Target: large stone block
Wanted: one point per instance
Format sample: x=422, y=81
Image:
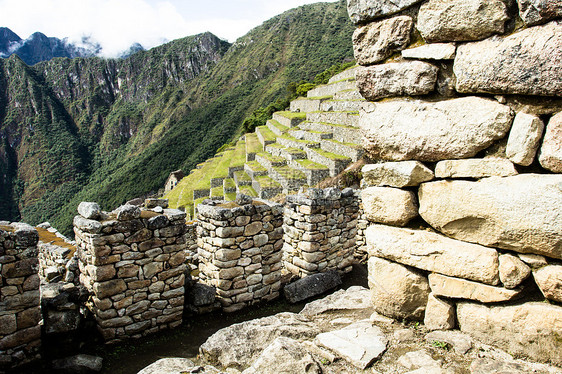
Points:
x=439, y=313
x=524, y=138
x=534, y=12
x=526, y=63
x=457, y=288
x=361, y=11
x=549, y=280
x=432, y=131
x=519, y=213
x=379, y=40
x=461, y=20
x=395, y=174
x=475, y=168
x=396, y=290
x=434, y=252
x=396, y=79
x=434, y=51
x=391, y=206
x=533, y=330
x=550, y=156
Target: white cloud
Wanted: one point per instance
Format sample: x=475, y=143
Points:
x=116, y=24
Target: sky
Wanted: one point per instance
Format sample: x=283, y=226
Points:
x=117, y=24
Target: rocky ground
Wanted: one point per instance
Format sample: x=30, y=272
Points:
x=341, y=333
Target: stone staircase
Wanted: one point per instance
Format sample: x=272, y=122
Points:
x=317, y=138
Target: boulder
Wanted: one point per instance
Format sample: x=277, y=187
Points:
x=530, y=329
x=439, y=313
x=434, y=51
x=475, y=168
x=525, y=63
x=89, y=210
x=244, y=342
x=433, y=131
x=377, y=41
x=434, y=252
x=361, y=11
x=397, y=291
x=524, y=138
x=492, y=209
x=360, y=343
x=513, y=271
x=550, y=156
x=391, y=206
x=457, y=288
x=549, y=280
x=461, y=20
x=354, y=298
x=312, y=285
x=534, y=12
x=395, y=174
x=285, y=355
x=396, y=79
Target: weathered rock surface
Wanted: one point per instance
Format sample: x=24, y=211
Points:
x=418, y=360
x=361, y=11
x=353, y=298
x=360, y=343
x=312, y=285
x=434, y=252
x=284, y=355
x=457, y=288
x=173, y=365
x=534, y=12
x=391, y=206
x=244, y=342
x=489, y=365
x=513, y=271
x=434, y=51
x=530, y=329
x=549, y=280
x=406, y=130
x=461, y=20
x=524, y=138
x=534, y=261
x=523, y=63
x=439, y=313
x=475, y=168
x=397, y=291
x=378, y=40
x=550, y=156
x=396, y=79
x=492, y=210
x=395, y=174
x=460, y=342
x=79, y=364
x=89, y=210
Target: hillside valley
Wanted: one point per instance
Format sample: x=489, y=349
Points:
x=108, y=130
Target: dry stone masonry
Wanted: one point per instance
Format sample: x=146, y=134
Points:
x=320, y=229
x=239, y=248
x=463, y=195
x=20, y=312
x=132, y=261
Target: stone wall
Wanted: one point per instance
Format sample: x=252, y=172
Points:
x=240, y=250
x=320, y=228
x=132, y=261
x=20, y=312
x=56, y=256
x=463, y=195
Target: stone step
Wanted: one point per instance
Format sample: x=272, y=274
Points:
x=253, y=146
x=352, y=94
x=270, y=161
x=241, y=178
x=313, y=136
x=342, y=105
x=292, y=142
x=353, y=151
x=266, y=187
x=201, y=193
x=288, y=154
x=217, y=181
x=247, y=190
x=331, y=89
x=290, y=179
x=265, y=136
x=348, y=74
x=340, y=118
x=336, y=163
x=254, y=169
x=217, y=193
x=229, y=185
x=289, y=119
x=303, y=105
x=314, y=172
x=230, y=196
x=341, y=133
x=275, y=127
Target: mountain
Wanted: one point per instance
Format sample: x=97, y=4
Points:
x=107, y=130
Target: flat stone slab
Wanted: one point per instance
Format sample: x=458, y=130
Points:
x=360, y=343
x=475, y=168
x=456, y=288
x=434, y=51
x=355, y=297
x=395, y=174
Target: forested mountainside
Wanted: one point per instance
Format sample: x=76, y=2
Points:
x=92, y=129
